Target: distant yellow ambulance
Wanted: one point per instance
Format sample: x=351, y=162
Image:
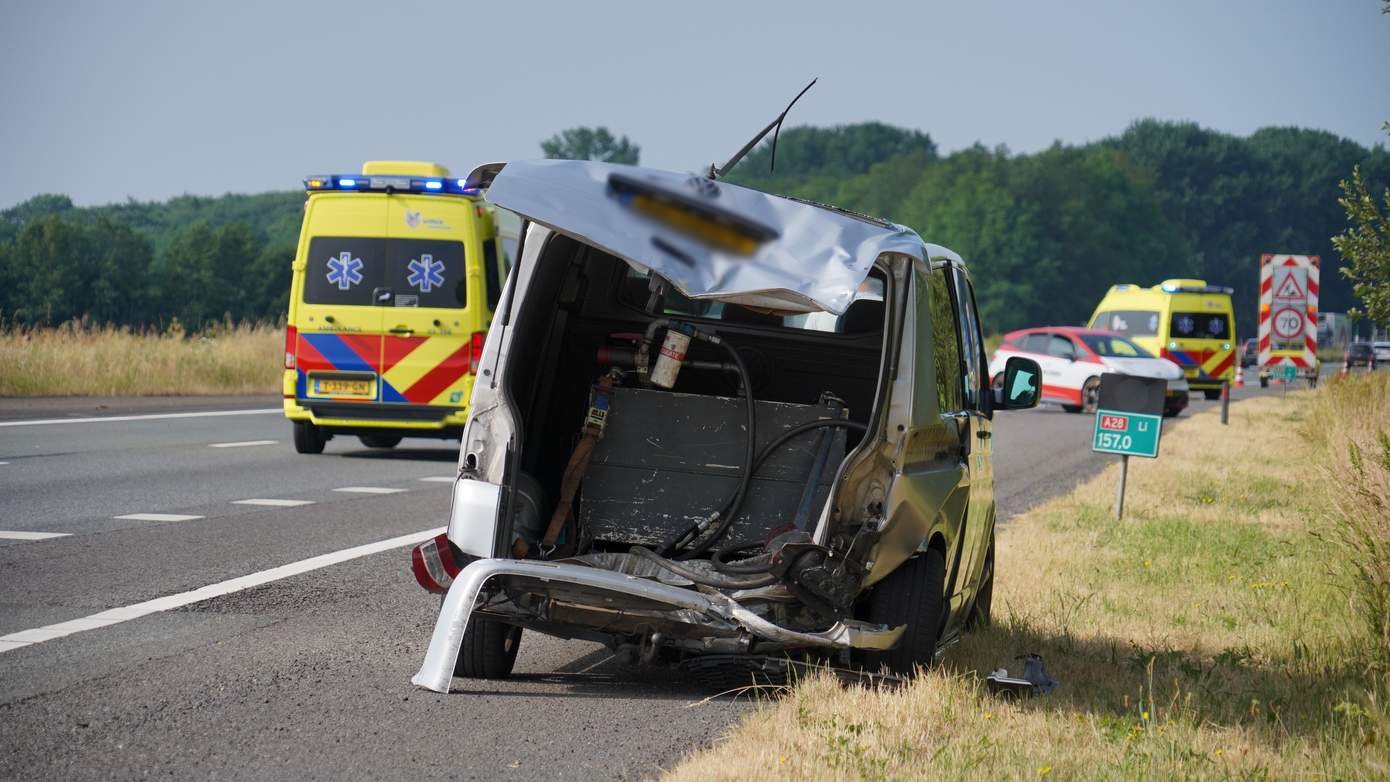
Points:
x=1187, y=322
x=395, y=279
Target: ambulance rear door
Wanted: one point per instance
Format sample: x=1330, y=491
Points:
x=434, y=301
x=337, y=317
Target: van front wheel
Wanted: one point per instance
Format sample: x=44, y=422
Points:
x=308, y=438
x=912, y=595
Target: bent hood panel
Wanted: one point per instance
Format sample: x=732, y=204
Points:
x=813, y=258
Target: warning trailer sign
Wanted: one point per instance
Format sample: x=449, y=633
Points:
x=1288, y=310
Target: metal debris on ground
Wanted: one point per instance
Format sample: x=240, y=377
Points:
x=1034, y=681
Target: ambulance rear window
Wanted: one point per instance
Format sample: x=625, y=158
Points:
x=367, y=271
x=1131, y=323
x=1200, y=325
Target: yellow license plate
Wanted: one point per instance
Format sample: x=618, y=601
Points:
x=344, y=387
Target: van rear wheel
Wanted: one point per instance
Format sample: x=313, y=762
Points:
x=912, y=595
x=308, y=438
x=1212, y=394
x=380, y=440
x=488, y=650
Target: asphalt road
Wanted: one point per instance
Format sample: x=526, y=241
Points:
x=307, y=675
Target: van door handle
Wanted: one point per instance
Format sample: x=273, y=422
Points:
x=403, y=331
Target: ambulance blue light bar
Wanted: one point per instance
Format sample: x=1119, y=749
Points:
x=1197, y=289
x=391, y=184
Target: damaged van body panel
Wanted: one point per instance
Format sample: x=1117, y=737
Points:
x=801, y=257
x=799, y=454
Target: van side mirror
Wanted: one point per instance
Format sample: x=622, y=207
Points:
x=1022, y=385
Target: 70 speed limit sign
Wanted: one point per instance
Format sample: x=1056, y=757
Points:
x=1288, y=310
x=1288, y=323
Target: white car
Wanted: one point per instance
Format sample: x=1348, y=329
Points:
x=1073, y=359
x=1381, y=351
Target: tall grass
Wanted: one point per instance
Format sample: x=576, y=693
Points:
x=1349, y=425
x=79, y=359
x=1217, y=632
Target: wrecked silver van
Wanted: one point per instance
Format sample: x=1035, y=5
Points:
x=712, y=425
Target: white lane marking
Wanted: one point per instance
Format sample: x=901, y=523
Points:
x=4, y=462
x=19, y=535
x=274, y=503
x=241, y=444
x=369, y=490
x=151, y=417
x=439, y=479
x=115, y=615
x=158, y=517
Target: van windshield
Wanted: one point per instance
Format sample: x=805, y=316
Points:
x=367, y=271
x=1132, y=323
x=1199, y=325
x=1114, y=347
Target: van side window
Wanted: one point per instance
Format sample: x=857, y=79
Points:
x=945, y=343
x=494, y=285
x=971, y=342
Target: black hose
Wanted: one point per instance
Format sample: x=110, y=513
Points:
x=730, y=511
x=746, y=477
x=708, y=579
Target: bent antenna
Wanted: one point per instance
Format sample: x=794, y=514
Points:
x=716, y=172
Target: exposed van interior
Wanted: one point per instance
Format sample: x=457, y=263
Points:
x=668, y=457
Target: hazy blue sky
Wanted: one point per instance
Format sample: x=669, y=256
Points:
x=105, y=100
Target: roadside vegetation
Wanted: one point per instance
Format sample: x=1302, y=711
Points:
x=78, y=359
x=1236, y=624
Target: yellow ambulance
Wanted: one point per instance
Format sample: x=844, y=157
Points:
x=395, y=278
x=1185, y=321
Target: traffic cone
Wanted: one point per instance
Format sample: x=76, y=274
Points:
x=1240, y=377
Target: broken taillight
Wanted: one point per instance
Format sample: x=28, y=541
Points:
x=434, y=565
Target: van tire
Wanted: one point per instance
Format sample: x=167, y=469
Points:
x=308, y=438
x=1212, y=394
x=913, y=595
x=380, y=440
x=488, y=650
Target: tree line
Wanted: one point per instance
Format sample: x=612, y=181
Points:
x=1045, y=234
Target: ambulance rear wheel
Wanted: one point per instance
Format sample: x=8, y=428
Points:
x=308, y=438
x=1211, y=394
x=380, y=440
x=1264, y=382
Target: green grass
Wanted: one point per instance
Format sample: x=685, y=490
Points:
x=1215, y=632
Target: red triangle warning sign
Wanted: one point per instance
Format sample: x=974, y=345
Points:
x=1288, y=289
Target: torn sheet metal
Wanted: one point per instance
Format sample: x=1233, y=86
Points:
x=438, y=668
x=745, y=246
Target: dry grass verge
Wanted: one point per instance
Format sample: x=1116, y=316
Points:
x=81, y=360
x=1214, y=633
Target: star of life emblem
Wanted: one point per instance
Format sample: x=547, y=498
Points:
x=426, y=273
x=344, y=271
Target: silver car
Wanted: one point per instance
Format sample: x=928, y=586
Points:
x=716, y=427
